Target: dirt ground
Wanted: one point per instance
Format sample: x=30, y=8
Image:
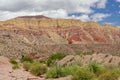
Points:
x=7, y=73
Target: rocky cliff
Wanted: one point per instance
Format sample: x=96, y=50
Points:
x=40, y=34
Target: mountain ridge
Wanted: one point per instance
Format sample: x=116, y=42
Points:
x=46, y=35
x=55, y=21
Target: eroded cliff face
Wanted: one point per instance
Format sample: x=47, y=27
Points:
x=38, y=33
x=60, y=31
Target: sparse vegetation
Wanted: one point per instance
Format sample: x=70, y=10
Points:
x=55, y=72
x=109, y=75
x=26, y=66
x=118, y=70
x=44, y=61
x=71, y=70
x=92, y=71
x=26, y=59
x=83, y=74
x=60, y=71
x=37, y=68
x=15, y=64
x=13, y=61
x=55, y=57
x=96, y=68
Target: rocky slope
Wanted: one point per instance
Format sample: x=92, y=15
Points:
x=40, y=34
x=104, y=59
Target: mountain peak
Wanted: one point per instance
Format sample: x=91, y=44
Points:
x=34, y=17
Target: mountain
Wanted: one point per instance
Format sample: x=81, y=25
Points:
x=40, y=34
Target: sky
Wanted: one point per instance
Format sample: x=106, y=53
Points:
x=100, y=11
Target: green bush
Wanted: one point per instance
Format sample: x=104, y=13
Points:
x=83, y=74
x=71, y=70
x=117, y=70
x=37, y=68
x=44, y=61
x=15, y=66
x=110, y=67
x=55, y=72
x=26, y=66
x=96, y=68
x=26, y=59
x=109, y=75
x=13, y=61
x=59, y=71
x=55, y=57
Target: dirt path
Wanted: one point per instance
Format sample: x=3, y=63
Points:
x=7, y=73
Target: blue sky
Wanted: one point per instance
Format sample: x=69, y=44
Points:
x=100, y=11
x=112, y=8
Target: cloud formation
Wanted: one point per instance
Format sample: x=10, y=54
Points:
x=51, y=8
x=118, y=0
x=99, y=17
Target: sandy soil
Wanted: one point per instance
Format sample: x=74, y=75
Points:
x=7, y=73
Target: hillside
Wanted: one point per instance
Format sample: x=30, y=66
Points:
x=40, y=34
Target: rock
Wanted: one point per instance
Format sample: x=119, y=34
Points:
x=115, y=61
x=65, y=60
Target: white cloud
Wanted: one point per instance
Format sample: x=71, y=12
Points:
x=44, y=5
x=50, y=8
x=52, y=13
x=118, y=0
x=109, y=23
x=7, y=15
x=85, y=10
x=119, y=12
x=82, y=17
x=101, y=3
x=99, y=17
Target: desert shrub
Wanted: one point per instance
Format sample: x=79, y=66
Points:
x=76, y=71
x=15, y=66
x=55, y=57
x=110, y=67
x=83, y=74
x=13, y=61
x=117, y=69
x=26, y=59
x=37, y=68
x=71, y=70
x=109, y=75
x=26, y=66
x=60, y=71
x=55, y=72
x=44, y=61
x=96, y=68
